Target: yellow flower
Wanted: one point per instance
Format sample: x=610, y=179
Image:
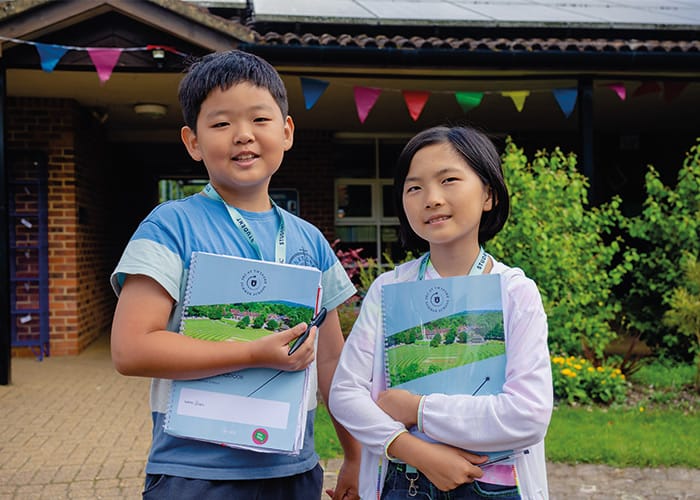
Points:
x=641, y=408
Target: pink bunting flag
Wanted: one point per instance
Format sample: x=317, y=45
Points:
x=415, y=101
x=619, y=89
x=673, y=90
x=647, y=88
x=365, y=98
x=104, y=60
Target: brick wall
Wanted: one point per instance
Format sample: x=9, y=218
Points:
x=80, y=303
x=307, y=167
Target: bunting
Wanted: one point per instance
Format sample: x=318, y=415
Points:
x=619, y=89
x=518, y=97
x=312, y=90
x=415, y=102
x=103, y=58
x=365, y=99
x=566, y=99
x=468, y=100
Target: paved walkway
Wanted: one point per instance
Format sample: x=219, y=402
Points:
x=71, y=427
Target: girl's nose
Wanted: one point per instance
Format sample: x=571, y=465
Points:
x=433, y=199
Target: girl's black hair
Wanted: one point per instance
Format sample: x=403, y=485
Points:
x=480, y=154
x=223, y=70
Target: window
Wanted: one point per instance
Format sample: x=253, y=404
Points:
x=364, y=205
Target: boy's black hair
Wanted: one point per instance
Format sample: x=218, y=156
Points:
x=223, y=70
x=480, y=153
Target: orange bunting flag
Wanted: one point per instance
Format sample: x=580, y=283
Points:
x=365, y=99
x=468, y=100
x=415, y=101
x=518, y=97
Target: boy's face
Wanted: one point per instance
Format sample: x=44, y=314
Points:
x=241, y=138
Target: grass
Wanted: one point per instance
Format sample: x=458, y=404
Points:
x=659, y=426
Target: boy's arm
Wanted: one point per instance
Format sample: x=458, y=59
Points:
x=330, y=344
x=142, y=346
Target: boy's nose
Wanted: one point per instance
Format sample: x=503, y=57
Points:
x=243, y=136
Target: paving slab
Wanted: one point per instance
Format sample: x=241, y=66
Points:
x=73, y=428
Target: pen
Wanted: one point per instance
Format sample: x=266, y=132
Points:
x=504, y=458
x=314, y=322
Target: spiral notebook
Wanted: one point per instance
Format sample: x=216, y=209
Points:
x=446, y=336
x=231, y=298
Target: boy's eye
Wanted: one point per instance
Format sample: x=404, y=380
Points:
x=220, y=124
x=261, y=119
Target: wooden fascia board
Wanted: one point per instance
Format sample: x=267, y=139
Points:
x=181, y=20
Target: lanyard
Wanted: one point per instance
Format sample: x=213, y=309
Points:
x=242, y=225
x=477, y=268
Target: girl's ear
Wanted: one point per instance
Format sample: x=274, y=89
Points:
x=490, y=200
x=189, y=139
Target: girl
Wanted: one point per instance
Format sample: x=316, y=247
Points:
x=451, y=199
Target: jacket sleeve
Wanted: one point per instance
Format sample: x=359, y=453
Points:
x=519, y=416
x=359, y=377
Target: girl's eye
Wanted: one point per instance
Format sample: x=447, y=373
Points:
x=450, y=179
x=412, y=188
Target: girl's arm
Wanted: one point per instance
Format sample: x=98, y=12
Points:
x=518, y=417
x=351, y=401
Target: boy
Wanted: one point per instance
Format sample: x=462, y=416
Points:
x=235, y=110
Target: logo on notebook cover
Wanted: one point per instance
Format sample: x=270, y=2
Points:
x=253, y=282
x=260, y=436
x=437, y=298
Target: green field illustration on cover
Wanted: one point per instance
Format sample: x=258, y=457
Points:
x=243, y=322
x=451, y=342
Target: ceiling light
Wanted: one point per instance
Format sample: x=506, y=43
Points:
x=151, y=110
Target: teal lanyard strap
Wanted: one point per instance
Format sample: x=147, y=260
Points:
x=242, y=225
x=477, y=268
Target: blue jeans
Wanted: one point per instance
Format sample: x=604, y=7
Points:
x=305, y=486
x=401, y=483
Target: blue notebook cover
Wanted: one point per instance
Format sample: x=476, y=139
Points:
x=445, y=336
x=232, y=298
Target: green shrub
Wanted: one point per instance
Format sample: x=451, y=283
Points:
x=568, y=247
x=684, y=309
x=665, y=231
x=577, y=380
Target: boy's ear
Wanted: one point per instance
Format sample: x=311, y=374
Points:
x=189, y=139
x=288, y=133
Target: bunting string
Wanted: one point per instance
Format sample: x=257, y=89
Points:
x=106, y=58
x=103, y=58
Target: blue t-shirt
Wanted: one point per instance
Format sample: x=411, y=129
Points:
x=161, y=248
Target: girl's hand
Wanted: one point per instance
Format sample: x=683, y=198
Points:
x=401, y=405
x=448, y=467
x=272, y=351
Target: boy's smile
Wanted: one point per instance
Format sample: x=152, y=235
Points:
x=241, y=138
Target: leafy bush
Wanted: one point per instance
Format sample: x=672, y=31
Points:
x=577, y=380
x=684, y=312
x=665, y=231
x=569, y=248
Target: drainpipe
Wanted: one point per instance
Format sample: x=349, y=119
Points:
x=5, y=316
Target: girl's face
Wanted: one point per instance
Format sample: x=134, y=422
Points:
x=444, y=198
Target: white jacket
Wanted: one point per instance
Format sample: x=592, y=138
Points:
x=514, y=419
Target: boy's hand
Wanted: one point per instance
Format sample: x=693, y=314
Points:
x=272, y=351
x=348, y=479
